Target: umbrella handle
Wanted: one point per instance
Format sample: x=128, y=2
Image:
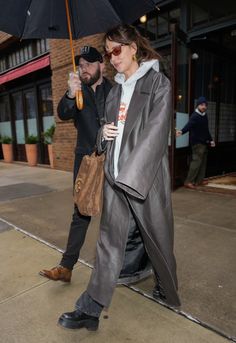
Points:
x=79, y=94
x=79, y=100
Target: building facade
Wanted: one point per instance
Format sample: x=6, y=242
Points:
x=197, y=42
x=25, y=92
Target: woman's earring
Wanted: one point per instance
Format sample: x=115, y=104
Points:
x=134, y=58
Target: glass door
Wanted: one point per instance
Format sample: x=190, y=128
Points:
x=30, y=112
x=24, y=109
x=46, y=115
x=180, y=104
x=19, y=125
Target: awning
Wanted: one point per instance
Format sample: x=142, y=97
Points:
x=25, y=69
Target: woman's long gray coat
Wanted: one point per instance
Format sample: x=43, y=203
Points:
x=143, y=184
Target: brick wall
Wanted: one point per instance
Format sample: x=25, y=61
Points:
x=65, y=134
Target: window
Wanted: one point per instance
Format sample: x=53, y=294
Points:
x=42, y=46
x=24, y=53
x=162, y=25
x=46, y=100
x=2, y=64
x=198, y=15
x=5, y=124
x=157, y=24
x=227, y=111
x=46, y=109
x=4, y=109
x=210, y=11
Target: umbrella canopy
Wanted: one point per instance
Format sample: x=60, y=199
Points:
x=68, y=19
x=47, y=18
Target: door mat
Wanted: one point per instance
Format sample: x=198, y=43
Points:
x=225, y=184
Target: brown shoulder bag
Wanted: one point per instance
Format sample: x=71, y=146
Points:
x=89, y=185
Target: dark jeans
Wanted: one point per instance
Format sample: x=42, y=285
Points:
x=197, y=168
x=77, y=234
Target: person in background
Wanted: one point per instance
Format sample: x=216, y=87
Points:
x=87, y=122
x=137, y=181
x=200, y=139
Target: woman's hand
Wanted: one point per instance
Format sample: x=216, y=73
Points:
x=110, y=131
x=74, y=84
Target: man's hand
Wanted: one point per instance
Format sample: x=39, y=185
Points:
x=110, y=132
x=74, y=85
x=212, y=144
x=178, y=133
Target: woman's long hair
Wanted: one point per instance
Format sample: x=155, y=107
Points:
x=127, y=34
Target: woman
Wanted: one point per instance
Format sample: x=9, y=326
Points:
x=137, y=184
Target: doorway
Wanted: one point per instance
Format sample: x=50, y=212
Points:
x=25, y=112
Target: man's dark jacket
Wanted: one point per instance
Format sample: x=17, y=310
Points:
x=198, y=129
x=88, y=120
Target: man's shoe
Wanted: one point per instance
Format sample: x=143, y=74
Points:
x=78, y=320
x=189, y=185
x=203, y=183
x=57, y=273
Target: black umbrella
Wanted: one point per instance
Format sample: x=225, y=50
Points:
x=68, y=18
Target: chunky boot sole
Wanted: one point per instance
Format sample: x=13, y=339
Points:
x=89, y=324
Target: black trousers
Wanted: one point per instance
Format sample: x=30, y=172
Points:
x=76, y=238
x=78, y=228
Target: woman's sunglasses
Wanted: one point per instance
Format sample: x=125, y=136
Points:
x=116, y=51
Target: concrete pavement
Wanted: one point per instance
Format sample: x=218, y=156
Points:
x=30, y=305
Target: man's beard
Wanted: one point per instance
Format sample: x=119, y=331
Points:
x=202, y=110
x=92, y=79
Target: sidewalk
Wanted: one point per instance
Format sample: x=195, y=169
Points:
x=38, y=200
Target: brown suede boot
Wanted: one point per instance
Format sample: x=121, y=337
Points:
x=57, y=273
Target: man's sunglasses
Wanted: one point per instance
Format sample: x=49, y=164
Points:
x=116, y=51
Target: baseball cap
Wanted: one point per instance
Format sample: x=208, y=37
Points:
x=90, y=54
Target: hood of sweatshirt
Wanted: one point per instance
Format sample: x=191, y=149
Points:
x=140, y=72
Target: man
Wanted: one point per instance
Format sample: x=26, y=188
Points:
x=200, y=138
x=87, y=121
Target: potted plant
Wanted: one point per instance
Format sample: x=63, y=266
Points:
x=48, y=138
x=7, y=148
x=31, y=150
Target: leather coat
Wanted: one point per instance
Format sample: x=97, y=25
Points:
x=142, y=188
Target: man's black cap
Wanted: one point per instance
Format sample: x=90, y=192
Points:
x=90, y=54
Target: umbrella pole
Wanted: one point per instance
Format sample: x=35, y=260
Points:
x=79, y=95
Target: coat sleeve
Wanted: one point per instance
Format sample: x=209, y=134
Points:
x=101, y=143
x=137, y=175
x=66, y=108
x=190, y=124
